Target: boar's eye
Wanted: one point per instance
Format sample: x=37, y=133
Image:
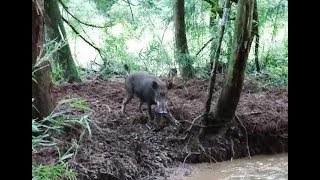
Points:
x=162, y=94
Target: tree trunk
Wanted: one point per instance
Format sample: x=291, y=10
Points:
x=215, y=8
x=41, y=89
x=213, y=16
x=56, y=31
x=230, y=94
x=212, y=50
x=230, y=43
x=216, y=58
x=182, y=53
x=255, y=32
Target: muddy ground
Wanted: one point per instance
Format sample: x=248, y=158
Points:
x=127, y=147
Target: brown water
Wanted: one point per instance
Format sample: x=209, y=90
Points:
x=273, y=167
x=258, y=167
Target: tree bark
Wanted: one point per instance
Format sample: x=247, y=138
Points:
x=229, y=46
x=56, y=31
x=43, y=103
x=182, y=53
x=231, y=90
x=255, y=32
x=230, y=94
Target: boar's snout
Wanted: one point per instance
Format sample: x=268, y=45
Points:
x=162, y=106
x=160, y=97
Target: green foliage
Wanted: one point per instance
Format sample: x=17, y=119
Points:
x=43, y=132
x=34, y=78
x=58, y=121
x=274, y=11
x=155, y=57
x=49, y=49
x=185, y=59
x=116, y=52
x=202, y=72
x=53, y=172
x=274, y=64
x=145, y=39
x=104, y=6
x=57, y=73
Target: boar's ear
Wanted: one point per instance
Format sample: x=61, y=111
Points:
x=169, y=84
x=155, y=85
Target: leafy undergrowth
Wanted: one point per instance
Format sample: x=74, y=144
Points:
x=50, y=151
x=49, y=172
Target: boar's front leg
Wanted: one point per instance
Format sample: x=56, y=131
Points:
x=150, y=116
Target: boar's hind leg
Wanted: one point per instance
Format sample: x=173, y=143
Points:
x=126, y=100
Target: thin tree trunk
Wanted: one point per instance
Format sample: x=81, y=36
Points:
x=212, y=52
x=230, y=43
x=214, y=41
x=216, y=58
x=182, y=53
x=43, y=103
x=255, y=32
x=256, y=53
x=56, y=31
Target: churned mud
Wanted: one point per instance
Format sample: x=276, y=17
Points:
x=130, y=147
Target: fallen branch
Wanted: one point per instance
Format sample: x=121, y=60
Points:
x=175, y=120
x=251, y=113
x=192, y=123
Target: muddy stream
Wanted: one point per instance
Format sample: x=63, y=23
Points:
x=273, y=167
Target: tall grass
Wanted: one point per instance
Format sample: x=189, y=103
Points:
x=56, y=123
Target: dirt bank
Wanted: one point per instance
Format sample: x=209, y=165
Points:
x=128, y=148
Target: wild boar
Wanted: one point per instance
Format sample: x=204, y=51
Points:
x=149, y=89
